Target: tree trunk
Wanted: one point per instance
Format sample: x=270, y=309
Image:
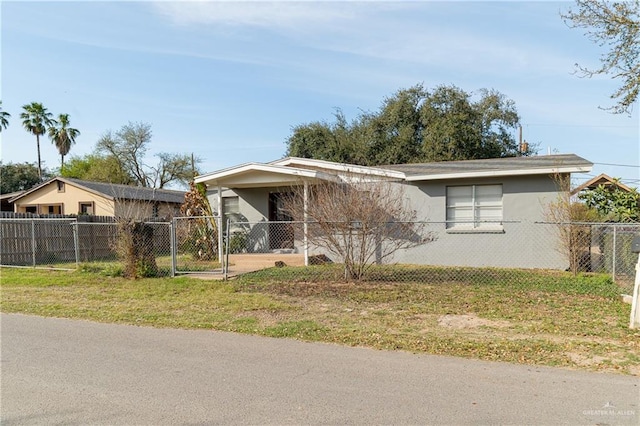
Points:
x=39, y=161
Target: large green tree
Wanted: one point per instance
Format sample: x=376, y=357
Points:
x=18, y=177
x=129, y=146
x=36, y=119
x=4, y=118
x=416, y=125
x=616, y=27
x=97, y=168
x=454, y=127
x=62, y=135
x=339, y=141
x=394, y=135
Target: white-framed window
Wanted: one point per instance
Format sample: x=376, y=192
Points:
x=474, y=208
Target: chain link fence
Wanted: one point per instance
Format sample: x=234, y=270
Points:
x=197, y=242
x=418, y=251
x=436, y=251
x=69, y=244
x=142, y=249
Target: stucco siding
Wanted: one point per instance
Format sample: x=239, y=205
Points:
x=254, y=203
x=70, y=199
x=523, y=243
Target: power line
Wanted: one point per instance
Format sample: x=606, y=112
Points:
x=618, y=165
x=587, y=176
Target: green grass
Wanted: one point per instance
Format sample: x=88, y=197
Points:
x=113, y=267
x=531, y=317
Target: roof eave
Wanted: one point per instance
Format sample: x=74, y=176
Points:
x=224, y=177
x=342, y=167
x=500, y=173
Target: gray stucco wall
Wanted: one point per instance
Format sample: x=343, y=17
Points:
x=253, y=204
x=522, y=244
x=523, y=197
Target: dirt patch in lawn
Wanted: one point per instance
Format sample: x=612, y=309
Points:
x=469, y=321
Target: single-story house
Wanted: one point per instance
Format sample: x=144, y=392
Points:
x=476, y=207
x=67, y=196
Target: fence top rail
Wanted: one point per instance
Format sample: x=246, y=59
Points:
x=311, y=222
x=196, y=217
x=115, y=223
x=616, y=224
x=37, y=219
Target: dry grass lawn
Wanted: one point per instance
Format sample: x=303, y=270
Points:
x=535, y=318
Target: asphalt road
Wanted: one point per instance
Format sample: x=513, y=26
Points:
x=56, y=371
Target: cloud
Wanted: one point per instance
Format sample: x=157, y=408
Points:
x=431, y=34
x=262, y=14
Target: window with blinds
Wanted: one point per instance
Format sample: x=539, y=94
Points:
x=474, y=207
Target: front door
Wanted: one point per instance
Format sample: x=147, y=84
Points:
x=280, y=233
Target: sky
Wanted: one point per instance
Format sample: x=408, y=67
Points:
x=227, y=81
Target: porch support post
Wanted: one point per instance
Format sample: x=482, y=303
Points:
x=305, y=225
x=219, y=225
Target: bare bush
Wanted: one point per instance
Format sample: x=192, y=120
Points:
x=574, y=235
x=134, y=240
x=361, y=222
x=134, y=247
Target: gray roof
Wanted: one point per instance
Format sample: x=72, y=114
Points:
x=490, y=164
x=128, y=192
x=10, y=195
x=117, y=191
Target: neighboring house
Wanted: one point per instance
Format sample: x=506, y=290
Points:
x=604, y=180
x=478, y=204
x=7, y=205
x=66, y=196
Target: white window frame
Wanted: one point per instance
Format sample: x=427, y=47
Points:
x=477, y=206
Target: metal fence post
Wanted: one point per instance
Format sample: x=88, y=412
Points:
x=33, y=243
x=76, y=242
x=225, y=266
x=635, y=309
x=615, y=249
x=218, y=221
x=172, y=244
x=306, y=225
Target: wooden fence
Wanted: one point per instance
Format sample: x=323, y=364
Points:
x=39, y=240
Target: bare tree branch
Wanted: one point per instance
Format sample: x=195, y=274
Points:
x=615, y=26
x=361, y=222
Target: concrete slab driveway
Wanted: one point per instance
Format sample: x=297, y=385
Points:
x=57, y=371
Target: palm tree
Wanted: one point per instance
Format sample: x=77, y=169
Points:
x=36, y=120
x=4, y=118
x=63, y=136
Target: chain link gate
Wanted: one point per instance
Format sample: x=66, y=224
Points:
x=197, y=243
